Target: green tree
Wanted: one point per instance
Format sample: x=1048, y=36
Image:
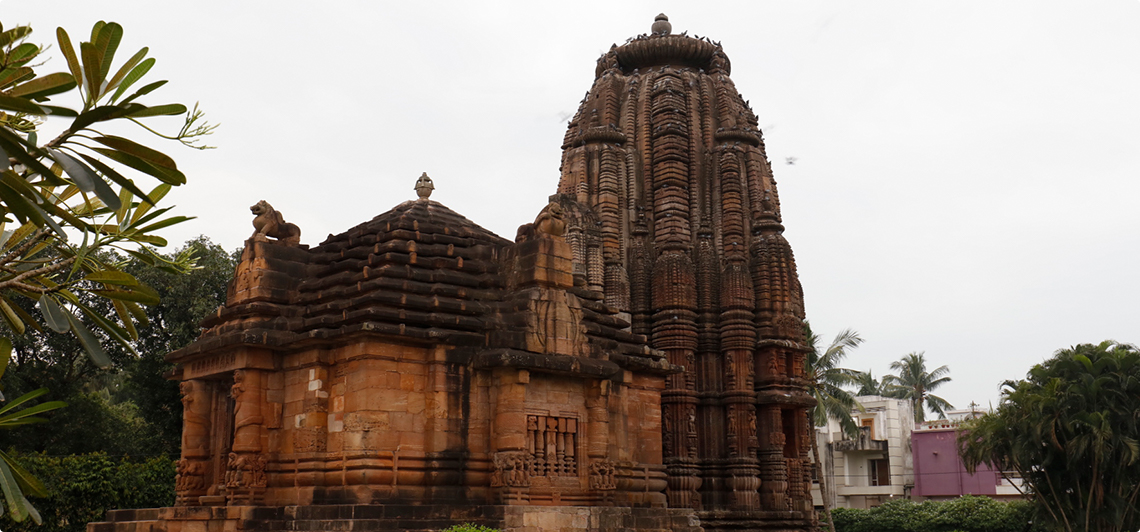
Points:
x=65, y=201
x=1071, y=429
x=184, y=300
x=130, y=409
x=914, y=383
x=826, y=381
x=15, y=481
x=867, y=384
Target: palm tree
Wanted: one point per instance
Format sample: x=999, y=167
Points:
x=913, y=382
x=826, y=381
x=868, y=384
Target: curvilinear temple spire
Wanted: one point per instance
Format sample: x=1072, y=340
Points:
x=673, y=215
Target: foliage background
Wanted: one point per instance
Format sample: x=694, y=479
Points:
x=128, y=409
x=83, y=487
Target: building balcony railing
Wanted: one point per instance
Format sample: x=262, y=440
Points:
x=938, y=424
x=862, y=443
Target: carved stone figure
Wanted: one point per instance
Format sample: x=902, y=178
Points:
x=512, y=469
x=189, y=476
x=195, y=418
x=247, y=410
x=603, y=475
x=550, y=221
x=267, y=222
x=234, y=467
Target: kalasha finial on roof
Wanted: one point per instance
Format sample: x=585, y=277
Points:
x=661, y=25
x=424, y=186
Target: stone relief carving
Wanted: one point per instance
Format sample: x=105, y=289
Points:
x=603, y=475
x=267, y=222
x=195, y=418
x=190, y=476
x=245, y=471
x=512, y=469
x=552, y=443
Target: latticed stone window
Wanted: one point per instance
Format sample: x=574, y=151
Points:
x=552, y=442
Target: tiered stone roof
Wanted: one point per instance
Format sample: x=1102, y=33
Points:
x=420, y=270
x=418, y=273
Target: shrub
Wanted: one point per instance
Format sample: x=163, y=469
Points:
x=83, y=487
x=965, y=514
x=469, y=527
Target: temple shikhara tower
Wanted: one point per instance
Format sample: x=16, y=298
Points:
x=673, y=214
x=632, y=361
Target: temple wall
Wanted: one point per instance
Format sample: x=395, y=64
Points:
x=375, y=421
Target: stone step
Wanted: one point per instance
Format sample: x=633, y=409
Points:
x=397, y=517
x=370, y=525
x=125, y=526
x=137, y=514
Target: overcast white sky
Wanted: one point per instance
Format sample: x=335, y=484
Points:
x=965, y=178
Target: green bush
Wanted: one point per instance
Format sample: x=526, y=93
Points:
x=83, y=487
x=965, y=514
x=468, y=527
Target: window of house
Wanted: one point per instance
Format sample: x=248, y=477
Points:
x=880, y=472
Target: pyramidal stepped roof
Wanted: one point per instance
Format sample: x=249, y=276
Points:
x=419, y=272
x=420, y=267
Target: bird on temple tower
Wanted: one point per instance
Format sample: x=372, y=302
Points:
x=672, y=214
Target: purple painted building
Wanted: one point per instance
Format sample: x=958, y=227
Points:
x=939, y=472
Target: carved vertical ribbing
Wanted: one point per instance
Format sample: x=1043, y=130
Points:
x=674, y=279
x=674, y=332
x=645, y=149
x=693, y=184
x=611, y=100
x=708, y=299
x=804, y=426
x=640, y=278
x=737, y=331
x=608, y=207
x=773, y=468
x=670, y=162
x=710, y=367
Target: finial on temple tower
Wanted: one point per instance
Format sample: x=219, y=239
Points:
x=424, y=186
x=661, y=25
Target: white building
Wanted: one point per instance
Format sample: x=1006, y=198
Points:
x=866, y=471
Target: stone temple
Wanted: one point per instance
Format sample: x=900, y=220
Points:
x=632, y=361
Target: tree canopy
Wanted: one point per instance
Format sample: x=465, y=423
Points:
x=1071, y=429
x=65, y=203
x=128, y=409
x=914, y=383
x=867, y=384
x=826, y=379
x=66, y=199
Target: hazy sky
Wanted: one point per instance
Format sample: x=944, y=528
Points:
x=965, y=178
